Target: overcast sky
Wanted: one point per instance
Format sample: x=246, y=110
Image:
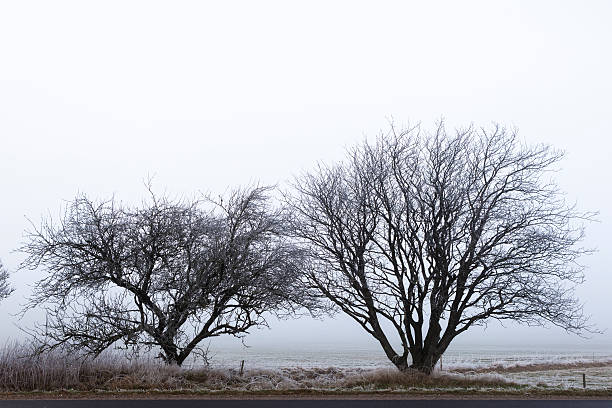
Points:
x=95, y=96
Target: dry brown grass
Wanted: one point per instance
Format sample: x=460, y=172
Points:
x=393, y=379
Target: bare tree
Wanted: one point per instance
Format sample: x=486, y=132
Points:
x=420, y=236
x=168, y=274
x=5, y=288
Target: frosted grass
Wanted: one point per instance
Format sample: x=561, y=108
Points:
x=316, y=367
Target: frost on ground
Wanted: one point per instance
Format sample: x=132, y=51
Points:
x=558, y=374
x=336, y=379
x=22, y=371
x=596, y=377
x=541, y=365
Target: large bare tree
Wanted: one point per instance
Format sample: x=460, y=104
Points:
x=5, y=288
x=420, y=236
x=166, y=274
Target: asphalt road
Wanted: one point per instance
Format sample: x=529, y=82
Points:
x=306, y=403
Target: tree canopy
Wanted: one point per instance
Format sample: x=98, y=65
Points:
x=166, y=274
x=419, y=236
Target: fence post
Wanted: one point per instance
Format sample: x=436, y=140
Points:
x=583, y=380
x=241, y=367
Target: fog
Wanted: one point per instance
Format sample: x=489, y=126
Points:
x=96, y=97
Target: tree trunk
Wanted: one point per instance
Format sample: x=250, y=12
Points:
x=425, y=362
x=171, y=357
x=401, y=363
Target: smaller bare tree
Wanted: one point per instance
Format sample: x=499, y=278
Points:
x=5, y=288
x=168, y=274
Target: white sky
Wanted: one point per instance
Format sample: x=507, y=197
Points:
x=95, y=96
